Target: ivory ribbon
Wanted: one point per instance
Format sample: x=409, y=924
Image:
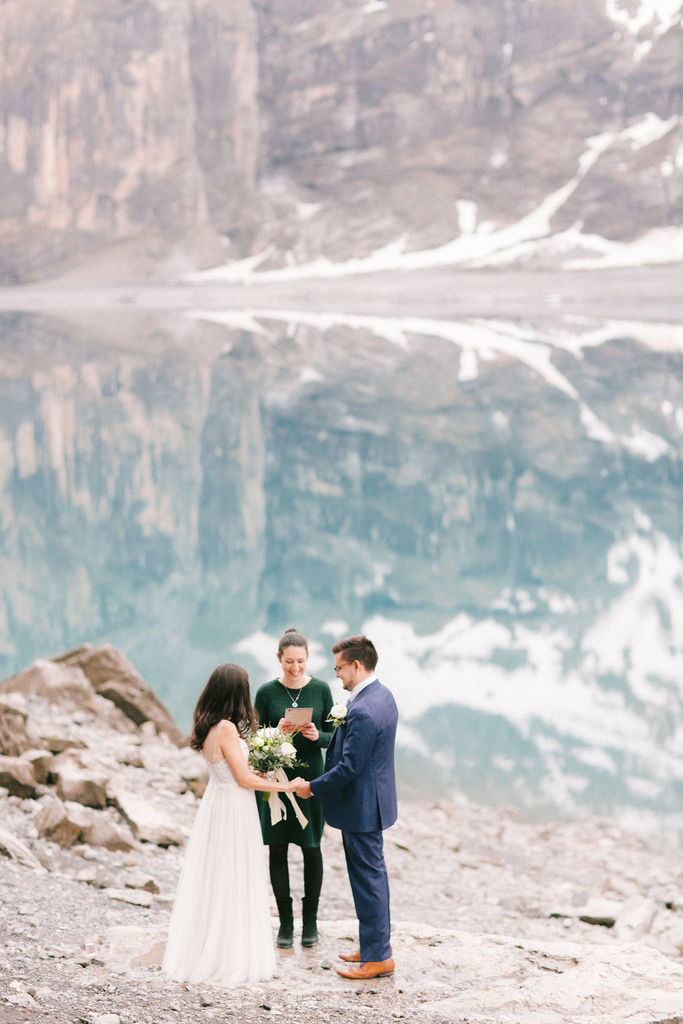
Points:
x=276, y=805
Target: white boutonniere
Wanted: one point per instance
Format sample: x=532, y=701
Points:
x=337, y=715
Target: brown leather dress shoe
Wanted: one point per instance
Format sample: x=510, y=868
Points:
x=351, y=958
x=372, y=969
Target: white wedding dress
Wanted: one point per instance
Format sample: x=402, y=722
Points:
x=220, y=931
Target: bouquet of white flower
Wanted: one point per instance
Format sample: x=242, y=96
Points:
x=269, y=749
x=270, y=752
x=337, y=715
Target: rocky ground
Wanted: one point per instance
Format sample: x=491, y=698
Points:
x=496, y=920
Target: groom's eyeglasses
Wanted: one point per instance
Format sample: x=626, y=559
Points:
x=338, y=668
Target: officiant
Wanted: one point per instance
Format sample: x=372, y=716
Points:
x=285, y=701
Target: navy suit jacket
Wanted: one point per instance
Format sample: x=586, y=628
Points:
x=358, y=787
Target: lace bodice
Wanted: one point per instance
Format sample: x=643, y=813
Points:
x=220, y=772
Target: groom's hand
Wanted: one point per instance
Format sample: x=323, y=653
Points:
x=303, y=790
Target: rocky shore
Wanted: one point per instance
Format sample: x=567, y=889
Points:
x=497, y=920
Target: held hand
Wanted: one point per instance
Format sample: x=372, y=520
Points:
x=303, y=789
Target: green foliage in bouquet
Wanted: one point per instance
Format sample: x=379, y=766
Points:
x=270, y=749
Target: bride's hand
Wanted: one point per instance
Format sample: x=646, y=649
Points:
x=293, y=784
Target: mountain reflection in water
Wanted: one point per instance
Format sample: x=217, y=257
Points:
x=497, y=505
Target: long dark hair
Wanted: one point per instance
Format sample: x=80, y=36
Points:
x=226, y=695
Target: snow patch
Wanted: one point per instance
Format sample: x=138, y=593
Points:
x=309, y=375
x=634, y=17
x=643, y=787
x=480, y=339
x=659, y=245
x=481, y=245
x=469, y=366
x=645, y=445
x=635, y=637
x=648, y=130
x=335, y=627
x=261, y=647
x=307, y=210
x=467, y=216
x=596, y=757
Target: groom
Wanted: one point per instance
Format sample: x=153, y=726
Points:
x=358, y=792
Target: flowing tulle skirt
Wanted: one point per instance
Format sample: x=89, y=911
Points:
x=220, y=931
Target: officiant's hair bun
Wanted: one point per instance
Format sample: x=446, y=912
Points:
x=292, y=638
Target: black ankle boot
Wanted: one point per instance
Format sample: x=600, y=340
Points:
x=309, y=932
x=285, y=935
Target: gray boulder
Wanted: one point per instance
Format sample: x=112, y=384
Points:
x=60, y=684
x=13, y=848
x=193, y=771
x=78, y=783
x=635, y=918
x=102, y=831
x=150, y=822
x=54, y=822
x=112, y=676
x=17, y=777
x=70, y=823
x=58, y=744
x=42, y=763
x=16, y=733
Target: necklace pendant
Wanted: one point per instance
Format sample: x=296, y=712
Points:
x=295, y=703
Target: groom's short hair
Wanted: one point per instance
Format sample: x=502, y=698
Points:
x=357, y=648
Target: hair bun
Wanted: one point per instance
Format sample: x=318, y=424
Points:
x=292, y=638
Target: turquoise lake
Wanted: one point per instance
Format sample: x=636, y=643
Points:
x=497, y=504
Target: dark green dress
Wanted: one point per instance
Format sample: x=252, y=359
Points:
x=271, y=701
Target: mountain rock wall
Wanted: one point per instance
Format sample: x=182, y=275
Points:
x=429, y=118
x=175, y=135
x=123, y=122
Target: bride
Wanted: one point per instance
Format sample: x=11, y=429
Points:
x=220, y=931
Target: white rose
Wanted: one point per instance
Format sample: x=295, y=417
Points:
x=288, y=749
x=338, y=711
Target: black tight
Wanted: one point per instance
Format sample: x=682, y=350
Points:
x=279, y=871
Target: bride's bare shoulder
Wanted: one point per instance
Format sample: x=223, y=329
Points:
x=226, y=729
x=220, y=732
x=221, y=738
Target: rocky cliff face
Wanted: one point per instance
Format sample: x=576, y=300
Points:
x=162, y=129
x=440, y=117
x=124, y=123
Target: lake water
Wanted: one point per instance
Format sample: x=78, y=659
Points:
x=496, y=504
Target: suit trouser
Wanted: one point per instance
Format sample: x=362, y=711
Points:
x=370, y=887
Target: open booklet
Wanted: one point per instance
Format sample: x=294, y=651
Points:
x=299, y=716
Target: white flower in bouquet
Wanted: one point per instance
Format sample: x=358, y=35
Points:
x=269, y=749
x=337, y=715
x=270, y=752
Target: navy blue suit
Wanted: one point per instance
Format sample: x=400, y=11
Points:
x=358, y=793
